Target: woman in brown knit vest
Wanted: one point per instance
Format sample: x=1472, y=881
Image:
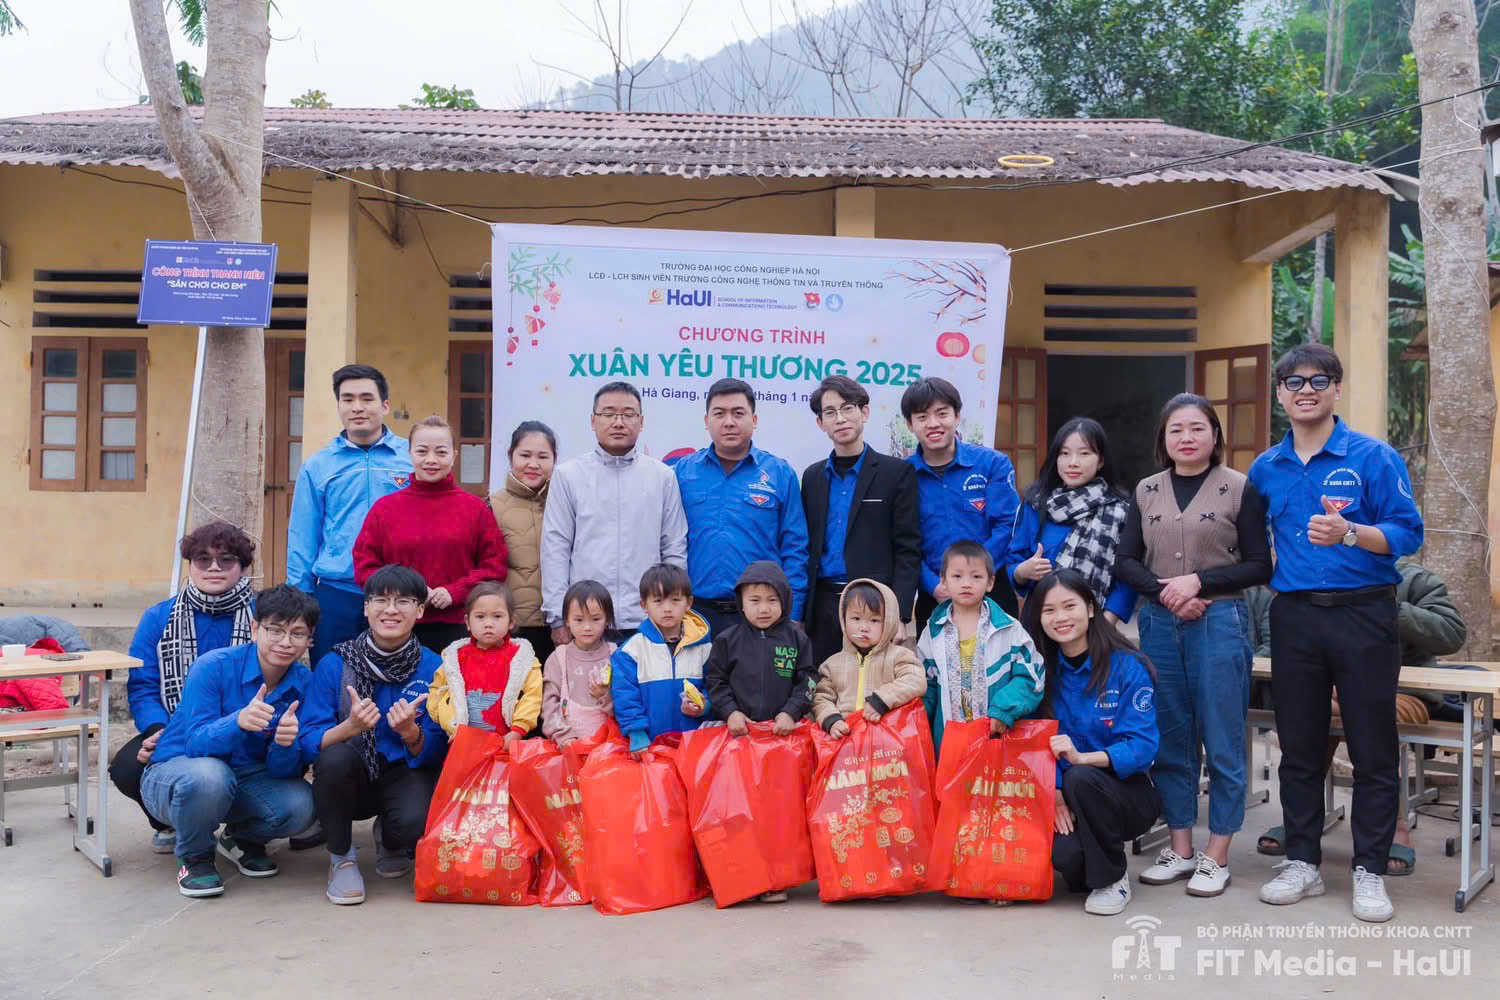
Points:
x=518, y=507
x=1194, y=540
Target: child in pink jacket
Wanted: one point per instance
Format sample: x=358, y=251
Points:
x=575, y=681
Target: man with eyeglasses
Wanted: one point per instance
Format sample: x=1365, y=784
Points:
x=612, y=513
x=336, y=488
x=214, y=610
x=861, y=509
x=743, y=504
x=235, y=750
x=1340, y=513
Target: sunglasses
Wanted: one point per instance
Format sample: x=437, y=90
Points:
x=222, y=561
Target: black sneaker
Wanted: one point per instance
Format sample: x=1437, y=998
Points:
x=197, y=877
x=312, y=837
x=250, y=858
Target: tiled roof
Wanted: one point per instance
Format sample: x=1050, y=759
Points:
x=577, y=143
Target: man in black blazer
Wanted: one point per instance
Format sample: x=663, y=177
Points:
x=862, y=518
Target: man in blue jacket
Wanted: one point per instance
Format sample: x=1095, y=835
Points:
x=743, y=504
x=1340, y=511
x=231, y=752
x=965, y=492
x=334, y=492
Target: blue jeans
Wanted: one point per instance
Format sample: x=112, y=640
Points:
x=1202, y=697
x=196, y=794
x=341, y=615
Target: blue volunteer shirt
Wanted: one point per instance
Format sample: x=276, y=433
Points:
x=754, y=512
x=1367, y=480
x=206, y=723
x=973, y=499
x=143, y=689
x=1119, y=719
x=836, y=528
x=335, y=490
x=330, y=701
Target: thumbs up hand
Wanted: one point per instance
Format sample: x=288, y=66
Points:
x=256, y=716
x=1329, y=527
x=403, y=717
x=364, y=714
x=286, y=728
x=1034, y=568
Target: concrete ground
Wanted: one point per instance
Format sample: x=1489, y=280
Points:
x=68, y=932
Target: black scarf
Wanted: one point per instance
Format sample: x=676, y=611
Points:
x=178, y=646
x=1097, y=515
x=370, y=666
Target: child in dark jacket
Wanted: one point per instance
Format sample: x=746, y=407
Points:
x=761, y=669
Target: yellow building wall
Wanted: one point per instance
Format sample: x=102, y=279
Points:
x=117, y=547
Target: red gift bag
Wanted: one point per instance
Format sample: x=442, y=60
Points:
x=544, y=787
x=995, y=815
x=747, y=798
x=870, y=811
x=636, y=833
x=476, y=848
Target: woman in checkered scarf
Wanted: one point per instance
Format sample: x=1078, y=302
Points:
x=1071, y=518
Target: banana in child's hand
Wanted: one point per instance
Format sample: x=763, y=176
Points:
x=693, y=694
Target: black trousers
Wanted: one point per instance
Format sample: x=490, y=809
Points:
x=540, y=637
x=1107, y=811
x=343, y=793
x=437, y=636
x=718, y=614
x=823, y=625
x=125, y=771
x=1354, y=649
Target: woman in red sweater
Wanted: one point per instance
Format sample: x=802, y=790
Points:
x=443, y=532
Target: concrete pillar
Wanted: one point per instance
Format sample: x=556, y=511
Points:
x=1360, y=306
x=332, y=282
x=854, y=211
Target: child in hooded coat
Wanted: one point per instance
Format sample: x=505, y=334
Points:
x=875, y=676
x=761, y=669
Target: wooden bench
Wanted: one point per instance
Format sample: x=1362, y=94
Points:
x=63, y=774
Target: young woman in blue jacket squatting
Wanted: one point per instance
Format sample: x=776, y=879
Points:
x=1072, y=518
x=1101, y=691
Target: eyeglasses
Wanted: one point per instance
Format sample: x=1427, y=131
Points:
x=847, y=411
x=222, y=561
x=624, y=416
x=1294, y=383
x=403, y=604
x=279, y=635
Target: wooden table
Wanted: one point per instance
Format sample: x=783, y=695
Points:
x=1477, y=689
x=91, y=837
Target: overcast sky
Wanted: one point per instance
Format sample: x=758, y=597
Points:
x=365, y=53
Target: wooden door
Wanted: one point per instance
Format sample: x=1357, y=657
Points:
x=470, y=394
x=284, y=376
x=1021, y=414
x=1237, y=381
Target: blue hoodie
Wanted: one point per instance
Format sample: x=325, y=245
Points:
x=645, y=681
x=335, y=490
x=1120, y=720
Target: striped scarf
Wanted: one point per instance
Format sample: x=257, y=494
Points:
x=178, y=646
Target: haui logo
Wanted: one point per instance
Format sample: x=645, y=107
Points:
x=680, y=297
x=1145, y=952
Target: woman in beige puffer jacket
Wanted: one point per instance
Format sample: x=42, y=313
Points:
x=518, y=508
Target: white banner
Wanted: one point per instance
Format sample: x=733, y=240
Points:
x=671, y=312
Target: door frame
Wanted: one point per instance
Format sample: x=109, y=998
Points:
x=279, y=439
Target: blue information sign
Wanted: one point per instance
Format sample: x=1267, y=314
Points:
x=207, y=284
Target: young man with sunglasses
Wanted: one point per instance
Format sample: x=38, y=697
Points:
x=1340, y=514
x=214, y=610
x=234, y=752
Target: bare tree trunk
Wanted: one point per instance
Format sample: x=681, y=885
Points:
x=1314, y=332
x=220, y=162
x=1462, y=425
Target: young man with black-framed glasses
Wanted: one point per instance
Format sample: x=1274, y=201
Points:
x=1340, y=512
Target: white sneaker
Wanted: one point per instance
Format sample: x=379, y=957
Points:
x=1170, y=866
x=1297, y=880
x=164, y=842
x=1209, y=879
x=1370, y=900
x=1111, y=899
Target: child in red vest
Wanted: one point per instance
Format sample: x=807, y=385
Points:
x=490, y=680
